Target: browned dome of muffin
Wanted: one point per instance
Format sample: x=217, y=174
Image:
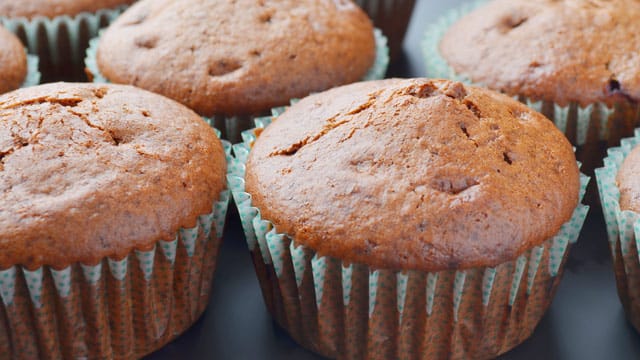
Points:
x=13, y=62
x=53, y=8
x=562, y=51
x=414, y=174
x=237, y=57
x=89, y=171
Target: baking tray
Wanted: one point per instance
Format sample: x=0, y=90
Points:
x=585, y=321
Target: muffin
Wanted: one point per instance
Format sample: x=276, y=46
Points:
x=111, y=211
x=619, y=194
x=231, y=60
x=16, y=67
x=406, y=218
x=392, y=17
x=575, y=61
x=59, y=31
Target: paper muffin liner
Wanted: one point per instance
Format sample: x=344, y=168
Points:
x=232, y=126
x=119, y=308
x=623, y=230
x=353, y=311
x=392, y=17
x=60, y=42
x=592, y=128
x=33, y=75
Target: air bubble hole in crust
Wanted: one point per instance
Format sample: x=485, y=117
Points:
x=224, y=67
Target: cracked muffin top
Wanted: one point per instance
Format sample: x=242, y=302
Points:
x=561, y=51
x=13, y=61
x=237, y=57
x=89, y=171
x=52, y=8
x=414, y=174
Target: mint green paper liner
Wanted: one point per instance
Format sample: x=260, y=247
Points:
x=119, y=308
x=585, y=126
x=623, y=229
x=347, y=310
x=232, y=126
x=33, y=75
x=60, y=42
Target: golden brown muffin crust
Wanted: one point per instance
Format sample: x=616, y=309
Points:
x=237, y=57
x=562, y=51
x=414, y=174
x=628, y=181
x=13, y=62
x=52, y=8
x=89, y=171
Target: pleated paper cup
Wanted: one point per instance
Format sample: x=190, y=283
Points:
x=592, y=128
x=118, y=308
x=60, y=42
x=623, y=229
x=354, y=311
x=33, y=74
x=233, y=126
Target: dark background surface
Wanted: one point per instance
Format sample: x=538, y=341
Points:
x=585, y=321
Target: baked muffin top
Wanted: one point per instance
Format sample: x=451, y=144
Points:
x=89, y=171
x=562, y=51
x=414, y=174
x=237, y=57
x=628, y=181
x=52, y=8
x=13, y=61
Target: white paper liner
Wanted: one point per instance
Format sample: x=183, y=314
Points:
x=312, y=296
x=33, y=75
x=117, y=308
x=623, y=229
x=41, y=35
x=575, y=121
x=232, y=126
